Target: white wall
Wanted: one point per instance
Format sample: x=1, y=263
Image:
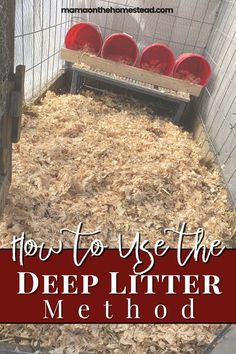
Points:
x=39, y=33
x=186, y=30
x=217, y=106
x=41, y=28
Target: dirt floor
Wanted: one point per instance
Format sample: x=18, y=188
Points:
x=106, y=161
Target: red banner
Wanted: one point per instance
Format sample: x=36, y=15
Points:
x=106, y=290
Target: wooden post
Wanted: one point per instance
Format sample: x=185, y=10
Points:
x=17, y=96
x=179, y=112
x=74, y=82
x=5, y=119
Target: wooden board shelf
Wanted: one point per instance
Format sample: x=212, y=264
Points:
x=129, y=72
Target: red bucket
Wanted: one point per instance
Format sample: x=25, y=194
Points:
x=120, y=47
x=158, y=58
x=84, y=36
x=192, y=67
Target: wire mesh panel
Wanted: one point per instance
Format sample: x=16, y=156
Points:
x=217, y=106
x=186, y=29
x=39, y=34
x=41, y=27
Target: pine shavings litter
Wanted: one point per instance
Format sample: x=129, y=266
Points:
x=105, y=161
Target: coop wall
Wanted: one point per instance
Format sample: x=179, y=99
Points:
x=40, y=29
x=216, y=108
x=186, y=30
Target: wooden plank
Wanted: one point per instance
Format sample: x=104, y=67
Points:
x=5, y=120
x=16, y=103
x=74, y=82
x=4, y=188
x=15, y=113
x=130, y=72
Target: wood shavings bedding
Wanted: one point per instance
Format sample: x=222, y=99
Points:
x=105, y=161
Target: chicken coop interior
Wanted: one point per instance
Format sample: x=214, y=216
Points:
x=116, y=142
x=205, y=27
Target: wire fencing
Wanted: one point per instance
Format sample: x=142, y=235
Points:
x=187, y=29
x=40, y=29
x=217, y=106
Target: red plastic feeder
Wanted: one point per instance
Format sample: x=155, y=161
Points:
x=192, y=67
x=84, y=36
x=158, y=58
x=120, y=47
